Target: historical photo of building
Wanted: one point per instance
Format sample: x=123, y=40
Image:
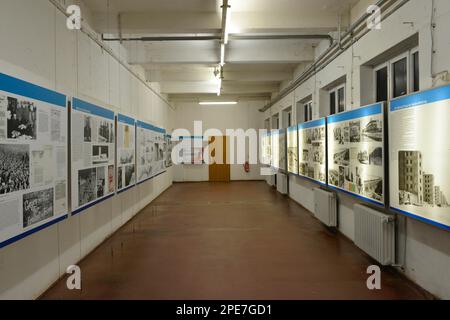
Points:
x=416, y=187
x=356, y=155
x=355, y=131
x=373, y=131
x=37, y=207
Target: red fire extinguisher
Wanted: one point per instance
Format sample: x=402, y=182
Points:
x=247, y=167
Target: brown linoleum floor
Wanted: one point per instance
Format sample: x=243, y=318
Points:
x=240, y=240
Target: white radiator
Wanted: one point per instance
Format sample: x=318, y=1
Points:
x=375, y=234
x=325, y=207
x=282, y=183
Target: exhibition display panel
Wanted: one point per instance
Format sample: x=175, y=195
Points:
x=126, y=152
x=93, y=154
x=168, y=151
x=150, y=141
x=266, y=148
x=192, y=149
x=279, y=149
x=312, y=150
x=356, y=152
x=33, y=158
x=292, y=150
x=419, y=156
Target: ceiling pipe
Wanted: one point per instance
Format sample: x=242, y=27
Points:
x=231, y=37
x=225, y=21
x=356, y=31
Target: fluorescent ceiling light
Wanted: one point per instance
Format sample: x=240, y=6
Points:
x=214, y=103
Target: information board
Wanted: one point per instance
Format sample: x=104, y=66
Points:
x=168, y=151
x=312, y=150
x=356, y=152
x=292, y=150
x=150, y=141
x=192, y=149
x=419, y=156
x=279, y=149
x=33, y=158
x=126, y=152
x=93, y=154
x=266, y=148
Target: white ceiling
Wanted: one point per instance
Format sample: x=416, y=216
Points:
x=253, y=67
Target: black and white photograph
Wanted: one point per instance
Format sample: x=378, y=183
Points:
x=372, y=131
x=355, y=131
x=14, y=168
x=105, y=132
x=126, y=156
x=120, y=178
x=342, y=157
x=341, y=177
x=318, y=152
x=130, y=175
x=373, y=187
x=22, y=118
x=334, y=177
x=87, y=130
x=376, y=156
x=100, y=154
x=339, y=135
x=37, y=207
x=101, y=182
x=87, y=180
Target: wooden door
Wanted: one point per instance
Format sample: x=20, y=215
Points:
x=220, y=170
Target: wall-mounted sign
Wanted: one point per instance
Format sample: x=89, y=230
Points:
x=33, y=158
x=356, y=152
x=93, y=153
x=292, y=150
x=150, y=142
x=312, y=150
x=126, y=152
x=419, y=156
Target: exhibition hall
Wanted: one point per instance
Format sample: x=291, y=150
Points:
x=215, y=158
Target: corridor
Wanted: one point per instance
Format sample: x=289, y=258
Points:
x=239, y=240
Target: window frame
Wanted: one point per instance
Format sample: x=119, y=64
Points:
x=336, y=90
x=410, y=72
x=307, y=111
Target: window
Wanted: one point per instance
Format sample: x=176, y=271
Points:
x=337, y=100
x=416, y=72
x=382, y=84
x=397, y=77
x=307, y=109
x=332, y=102
x=400, y=77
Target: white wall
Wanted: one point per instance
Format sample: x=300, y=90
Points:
x=245, y=115
x=37, y=47
x=427, y=258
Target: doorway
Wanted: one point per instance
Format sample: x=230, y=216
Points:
x=219, y=171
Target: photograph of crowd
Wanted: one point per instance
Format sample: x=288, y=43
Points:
x=37, y=207
x=130, y=177
x=14, y=168
x=21, y=122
